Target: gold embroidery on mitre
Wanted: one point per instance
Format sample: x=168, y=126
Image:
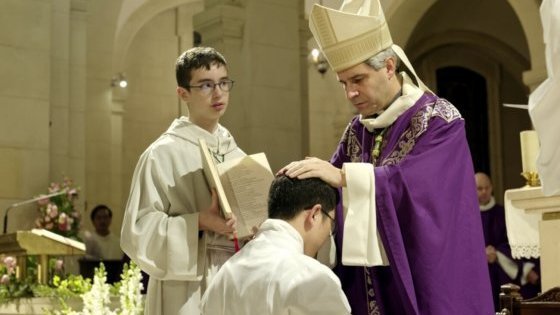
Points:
x=355, y=50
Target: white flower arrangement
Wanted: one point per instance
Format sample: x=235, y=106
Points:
x=97, y=300
x=130, y=291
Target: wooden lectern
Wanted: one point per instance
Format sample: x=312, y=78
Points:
x=532, y=200
x=42, y=243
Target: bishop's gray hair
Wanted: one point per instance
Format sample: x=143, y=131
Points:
x=378, y=61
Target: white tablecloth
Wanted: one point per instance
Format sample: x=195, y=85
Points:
x=522, y=229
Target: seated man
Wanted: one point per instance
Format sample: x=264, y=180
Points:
x=276, y=273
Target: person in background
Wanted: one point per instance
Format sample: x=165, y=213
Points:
x=276, y=273
x=102, y=244
x=501, y=265
x=172, y=227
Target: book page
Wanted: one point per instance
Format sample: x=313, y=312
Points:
x=213, y=179
x=247, y=181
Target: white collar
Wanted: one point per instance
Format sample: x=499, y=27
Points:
x=220, y=141
x=410, y=95
x=283, y=230
x=489, y=205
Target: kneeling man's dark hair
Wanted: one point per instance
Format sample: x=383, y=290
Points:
x=288, y=196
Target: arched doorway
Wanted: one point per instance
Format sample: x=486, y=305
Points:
x=466, y=89
x=456, y=33
x=502, y=125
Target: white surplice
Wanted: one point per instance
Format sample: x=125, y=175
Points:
x=103, y=247
x=272, y=276
x=160, y=226
x=543, y=102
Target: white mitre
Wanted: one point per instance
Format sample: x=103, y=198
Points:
x=353, y=34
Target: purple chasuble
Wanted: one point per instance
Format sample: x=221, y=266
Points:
x=427, y=216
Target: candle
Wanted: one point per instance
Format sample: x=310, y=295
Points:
x=529, y=150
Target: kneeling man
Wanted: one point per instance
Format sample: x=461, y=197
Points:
x=276, y=273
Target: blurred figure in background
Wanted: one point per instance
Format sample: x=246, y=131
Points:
x=102, y=244
x=502, y=267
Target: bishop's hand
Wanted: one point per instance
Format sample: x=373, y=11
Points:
x=314, y=167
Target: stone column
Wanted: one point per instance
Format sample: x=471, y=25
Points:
x=185, y=37
x=25, y=45
x=77, y=96
x=101, y=20
x=304, y=36
x=119, y=95
x=261, y=40
x=59, y=89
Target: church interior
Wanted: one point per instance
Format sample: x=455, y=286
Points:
x=65, y=112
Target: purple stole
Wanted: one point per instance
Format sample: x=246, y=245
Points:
x=427, y=216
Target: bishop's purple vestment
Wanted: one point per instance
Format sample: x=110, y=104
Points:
x=427, y=217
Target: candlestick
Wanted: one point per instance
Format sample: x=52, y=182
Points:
x=529, y=151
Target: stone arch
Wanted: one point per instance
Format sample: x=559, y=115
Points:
x=135, y=14
x=513, y=61
x=528, y=14
x=494, y=57
x=403, y=16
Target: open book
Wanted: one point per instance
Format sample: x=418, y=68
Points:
x=242, y=186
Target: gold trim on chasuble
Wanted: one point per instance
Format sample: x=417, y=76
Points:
x=373, y=308
x=353, y=146
x=418, y=125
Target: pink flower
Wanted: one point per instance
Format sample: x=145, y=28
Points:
x=59, y=265
x=10, y=261
x=58, y=214
x=54, y=187
x=5, y=280
x=63, y=227
x=52, y=210
x=63, y=223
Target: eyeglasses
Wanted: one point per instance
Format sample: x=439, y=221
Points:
x=208, y=87
x=333, y=223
